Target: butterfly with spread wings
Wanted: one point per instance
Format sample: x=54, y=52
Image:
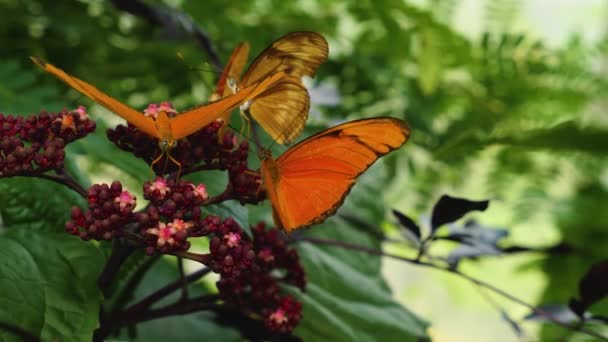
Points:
x=164, y=128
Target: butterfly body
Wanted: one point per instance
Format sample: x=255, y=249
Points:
x=311, y=180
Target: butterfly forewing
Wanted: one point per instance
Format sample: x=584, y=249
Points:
x=194, y=119
x=298, y=54
x=232, y=71
x=136, y=118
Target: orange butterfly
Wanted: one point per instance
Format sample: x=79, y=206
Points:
x=310, y=181
x=282, y=109
x=164, y=128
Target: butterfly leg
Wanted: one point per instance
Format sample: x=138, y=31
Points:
x=255, y=174
x=179, y=166
x=156, y=161
x=246, y=128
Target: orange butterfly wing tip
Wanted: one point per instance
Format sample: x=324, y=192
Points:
x=231, y=73
x=136, y=118
x=310, y=181
x=234, y=68
x=194, y=119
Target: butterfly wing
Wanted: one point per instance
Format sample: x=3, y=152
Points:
x=298, y=54
x=136, y=118
x=283, y=110
x=232, y=71
x=194, y=119
x=309, y=182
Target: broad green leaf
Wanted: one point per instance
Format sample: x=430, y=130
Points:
x=48, y=285
x=347, y=298
x=30, y=203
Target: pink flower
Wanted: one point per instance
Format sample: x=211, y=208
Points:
x=82, y=113
x=126, y=201
x=278, y=317
x=164, y=233
x=179, y=225
x=200, y=191
x=166, y=107
x=152, y=110
x=232, y=239
x=160, y=185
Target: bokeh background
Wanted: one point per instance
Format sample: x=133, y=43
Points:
x=506, y=99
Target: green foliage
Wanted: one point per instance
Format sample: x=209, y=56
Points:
x=49, y=283
x=524, y=119
x=24, y=208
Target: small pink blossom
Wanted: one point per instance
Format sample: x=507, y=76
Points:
x=178, y=225
x=160, y=185
x=152, y=110
x=164, y=233
x=232, y=239
x=166, y=107
x=278, y=317
x=200, y=191
x=82, y=113
x=126, y=201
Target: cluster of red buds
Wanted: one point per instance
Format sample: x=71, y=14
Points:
x=110, y=209
x=202, y=150
x=174, y=214
x=35, y=144
x=248, y=269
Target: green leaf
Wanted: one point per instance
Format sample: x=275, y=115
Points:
x=565, y=136
x=38, y=204
x=347, y=298
x=21, y=94
x=429, y=62
x=48, y=280
x=193, y=327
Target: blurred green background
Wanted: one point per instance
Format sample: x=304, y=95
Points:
x=506, y=99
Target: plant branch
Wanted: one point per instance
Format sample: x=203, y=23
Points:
x=172, y=19
x=417, y=261
x=63, y=179
x=23, y=334
x=134, y=280
x=120, y=252
x=137, y=312
x=125, y=318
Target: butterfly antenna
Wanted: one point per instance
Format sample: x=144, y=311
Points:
x=181, y=58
